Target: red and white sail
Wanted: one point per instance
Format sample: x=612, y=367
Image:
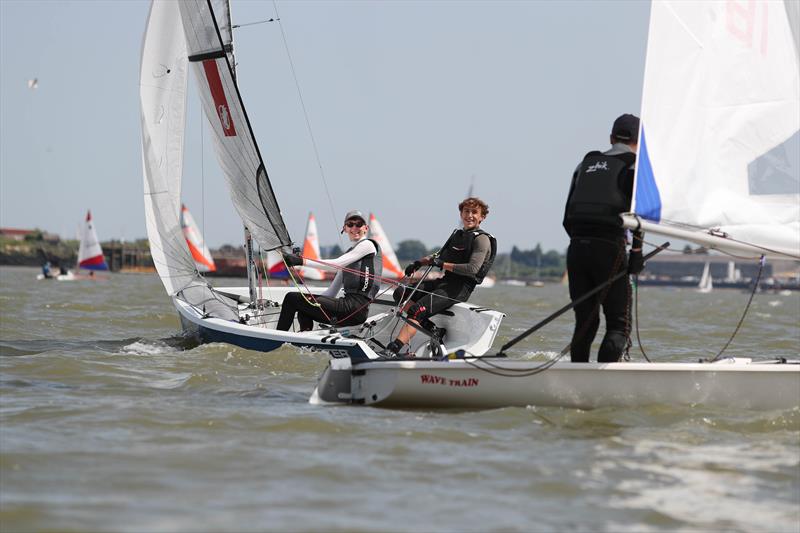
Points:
x=197, y=245
x=311, y=251
x=391, y=266
x=90, y=254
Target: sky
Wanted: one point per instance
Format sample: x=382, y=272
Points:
x=408, y=102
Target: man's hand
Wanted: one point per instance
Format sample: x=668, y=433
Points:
x=437, y=262
x=293, y=260
x=635, y=262
x=413, y=267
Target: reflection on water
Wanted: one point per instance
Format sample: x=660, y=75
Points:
x=109, y=420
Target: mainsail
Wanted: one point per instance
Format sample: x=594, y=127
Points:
x=236, y=148
x=719, y=147
x=90, y=253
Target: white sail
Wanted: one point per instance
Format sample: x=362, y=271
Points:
x=391, y=266
x=197, y=245
x=719, y=147
x=163, y=113
x=237, y=152
x=706, y=284
x=90, y=253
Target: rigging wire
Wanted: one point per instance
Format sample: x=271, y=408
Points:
x=747, y=307
x=307, y=119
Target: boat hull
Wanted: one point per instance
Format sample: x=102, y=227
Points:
x=467, y=327
x=484, y=383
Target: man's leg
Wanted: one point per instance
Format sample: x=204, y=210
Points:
x=616, y=308
x=581, y=281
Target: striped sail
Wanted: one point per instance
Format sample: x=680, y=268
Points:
x=719, y=147
x=236, y=148
x=90, y=253
x=197, y=245
x=311, y=251
x=391, y=266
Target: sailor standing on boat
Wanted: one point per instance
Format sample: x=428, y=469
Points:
x=601, y=189
x=357, y=271
x=465, y=258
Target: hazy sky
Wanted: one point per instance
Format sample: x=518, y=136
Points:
x=407, y=101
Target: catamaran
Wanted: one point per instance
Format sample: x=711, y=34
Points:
x=199, y=33
x=718, y=165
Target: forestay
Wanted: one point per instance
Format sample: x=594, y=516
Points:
x=719, y=147
x=235, y=145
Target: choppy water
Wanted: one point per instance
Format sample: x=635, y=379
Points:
x=109, y=422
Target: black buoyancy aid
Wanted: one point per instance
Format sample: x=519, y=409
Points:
x=458, y=249
x=369, y=267
x=598, y=196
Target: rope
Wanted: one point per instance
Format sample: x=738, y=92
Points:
x=636, y=312
x=305, y=114
x=762, y=262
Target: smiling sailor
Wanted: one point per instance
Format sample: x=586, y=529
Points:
x=465, y=258
x=357, y=272
x=601, y=189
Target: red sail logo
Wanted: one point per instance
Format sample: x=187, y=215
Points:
x=218, y=94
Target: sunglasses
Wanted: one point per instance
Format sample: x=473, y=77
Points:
x=354, y=224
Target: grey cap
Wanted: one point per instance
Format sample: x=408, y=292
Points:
x=355, y=213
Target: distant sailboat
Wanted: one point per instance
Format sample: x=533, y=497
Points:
x=706, y=284
x=90, y=254
x=276, y=269
x=391, y=265
x=197, y=245
x=311, y=251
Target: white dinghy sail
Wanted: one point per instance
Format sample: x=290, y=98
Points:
x=189, y=32
x=718, y=165
x=719, y=147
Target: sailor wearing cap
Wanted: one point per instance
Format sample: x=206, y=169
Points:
x=601, y=189
x=357, y=272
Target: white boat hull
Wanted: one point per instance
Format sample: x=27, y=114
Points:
x=482, y=383
x=469, y=328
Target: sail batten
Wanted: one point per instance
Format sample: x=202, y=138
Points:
x=719, y=144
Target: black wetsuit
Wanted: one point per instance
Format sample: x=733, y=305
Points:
x=434, y=296
x=597, y=252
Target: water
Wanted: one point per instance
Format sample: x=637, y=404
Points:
x=110, y=422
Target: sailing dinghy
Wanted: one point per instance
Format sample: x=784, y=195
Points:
x=199, y=33
x=718, y=165
x=706, y=284
x=90, y=254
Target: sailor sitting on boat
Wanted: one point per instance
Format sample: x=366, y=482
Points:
x=357, y=271
x=465, y=258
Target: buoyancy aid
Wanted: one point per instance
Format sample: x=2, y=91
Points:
x=369, y=267
x=458, y=249
x=598, y=196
